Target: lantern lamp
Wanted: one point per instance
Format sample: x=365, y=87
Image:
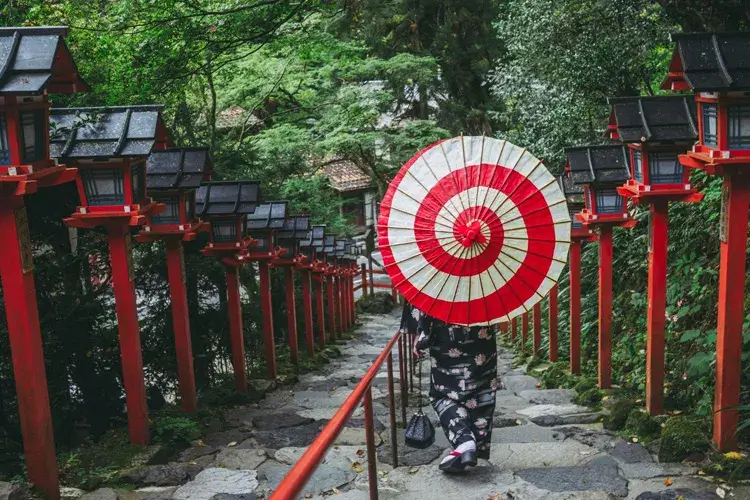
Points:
x=329, y=248
x=262, y=226
x=290, y=236
x=225, y=205
x=601, y=169
x=172, y=178
x=715, y=66
x=110, y=147
x=574, y=197
x=656, y=131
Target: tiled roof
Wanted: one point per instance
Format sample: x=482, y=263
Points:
x=178, y=168
x=227, y=198
x=712, y=62
x=655, y=119
x=269, y=215
x=118, y=131
x=598, y=164
x=34, y=58
x=346, y=176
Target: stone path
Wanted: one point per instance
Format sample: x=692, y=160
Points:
x=544, y=447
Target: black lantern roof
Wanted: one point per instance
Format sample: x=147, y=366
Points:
x=329, y=245
x=32, y=59
x=269, y=215
x=121, y=131
x=178, y=168
x=341, y=247
x=656, y=119
x=713, y=62
x=573, y=192
x=295, y=228
x=598, y=164
x=227, y=198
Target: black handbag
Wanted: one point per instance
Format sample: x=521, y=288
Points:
x=420, y=433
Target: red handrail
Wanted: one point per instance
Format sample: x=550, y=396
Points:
x=292, y=485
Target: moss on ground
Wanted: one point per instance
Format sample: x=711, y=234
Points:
x=557, y=376
x=682, y=436
x=591, y=398
x=643, y=425
x=619, y=413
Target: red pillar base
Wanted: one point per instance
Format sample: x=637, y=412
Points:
x=17, y=272
x=575, y=307
x=657, y=303
x=236, y=336
x=605, y=307
x=181, y=323
x=291, y=315
x=731, y=310
x=121, y=257
x=269, y=343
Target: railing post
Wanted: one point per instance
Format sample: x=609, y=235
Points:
x=537, y=346
x=524, y=330
x=363, y=270
x=553, y=324
x=372, y=471
x=513, y=329
x=402, y=377
x=605, y=307
x=392, y=410
x=574, y=294
x=372, y=280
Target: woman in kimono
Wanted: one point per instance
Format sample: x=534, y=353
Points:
x=409, y=319
x=462, y=387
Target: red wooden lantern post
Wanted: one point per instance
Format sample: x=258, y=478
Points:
x=33, y=63
x=600, y=169
x=715, y=67
x=320, y=268
x=226, y=205
x=262, y=225
x=513, y=329
x=313, y=239
x=329, y=250
x=537, y=342
x=110, y=147
x=524, y=330
x=172, y=176
x=578, y=234
x=342, y=261
x=656, y=130
x=289, y=237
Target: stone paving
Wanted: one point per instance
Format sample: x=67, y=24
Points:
x=544, y=447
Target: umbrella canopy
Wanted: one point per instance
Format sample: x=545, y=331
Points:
x=474, y=231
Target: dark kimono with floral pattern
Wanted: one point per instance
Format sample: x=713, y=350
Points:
x=409, y=318
x=463, y=379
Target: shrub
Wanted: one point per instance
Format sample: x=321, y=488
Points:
x=557, y=376
x=585, y=383
x=618, y=413
x=682, y=436
x=175, y=430
x=642, y=424
x=592, y=398
x=533, y=363
x=377, y=303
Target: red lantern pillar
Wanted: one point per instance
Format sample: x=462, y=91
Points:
x=269, y=342
x=16, y=271
x=657, y=303
x=121, y=259
x=524, y=329
x=553, y=324
x=537, y=329
x=291, y=314
x=320, y=313
x=307, y=307
x=736, y=193
x=352, y=299
x=513, y=329
x=605, y=307
x=339, y=299
x=181, y=324
x=331, y=307
x=575, y=307
x=236, y=336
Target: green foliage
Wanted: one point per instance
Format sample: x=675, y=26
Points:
x=175, y=430
x=557, y=376
x=591, y=398
x=585, y=383
x=619, y=413
x=682, y=436
x=643, y=425
x=377, y=303
x=533, y=363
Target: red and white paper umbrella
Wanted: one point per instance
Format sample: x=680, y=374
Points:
x=474, y=231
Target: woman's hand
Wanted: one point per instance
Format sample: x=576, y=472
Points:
x=416, y=352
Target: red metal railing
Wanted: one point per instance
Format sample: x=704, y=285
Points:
x=366, y=284
x=293, y=484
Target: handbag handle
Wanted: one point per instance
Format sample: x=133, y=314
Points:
x=419, y=377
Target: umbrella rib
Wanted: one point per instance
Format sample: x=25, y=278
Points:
x=532, y=253
x=437, y=181
x=453, y=180
x=484, y=296
x=512, y=274
x=532, y=212
x=515, y=189
x=428, y=192
x=502, y=186
x=420, y=203
x=527, y=199
x=495, y=168
x=434, y=274
x=458, y=282
x=401, y=243
x=419, y=254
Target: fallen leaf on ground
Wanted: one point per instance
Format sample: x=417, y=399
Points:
x=360, y=453
x=233, y=443
x=413, y=471
x=336, y=491
x=668, y=482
